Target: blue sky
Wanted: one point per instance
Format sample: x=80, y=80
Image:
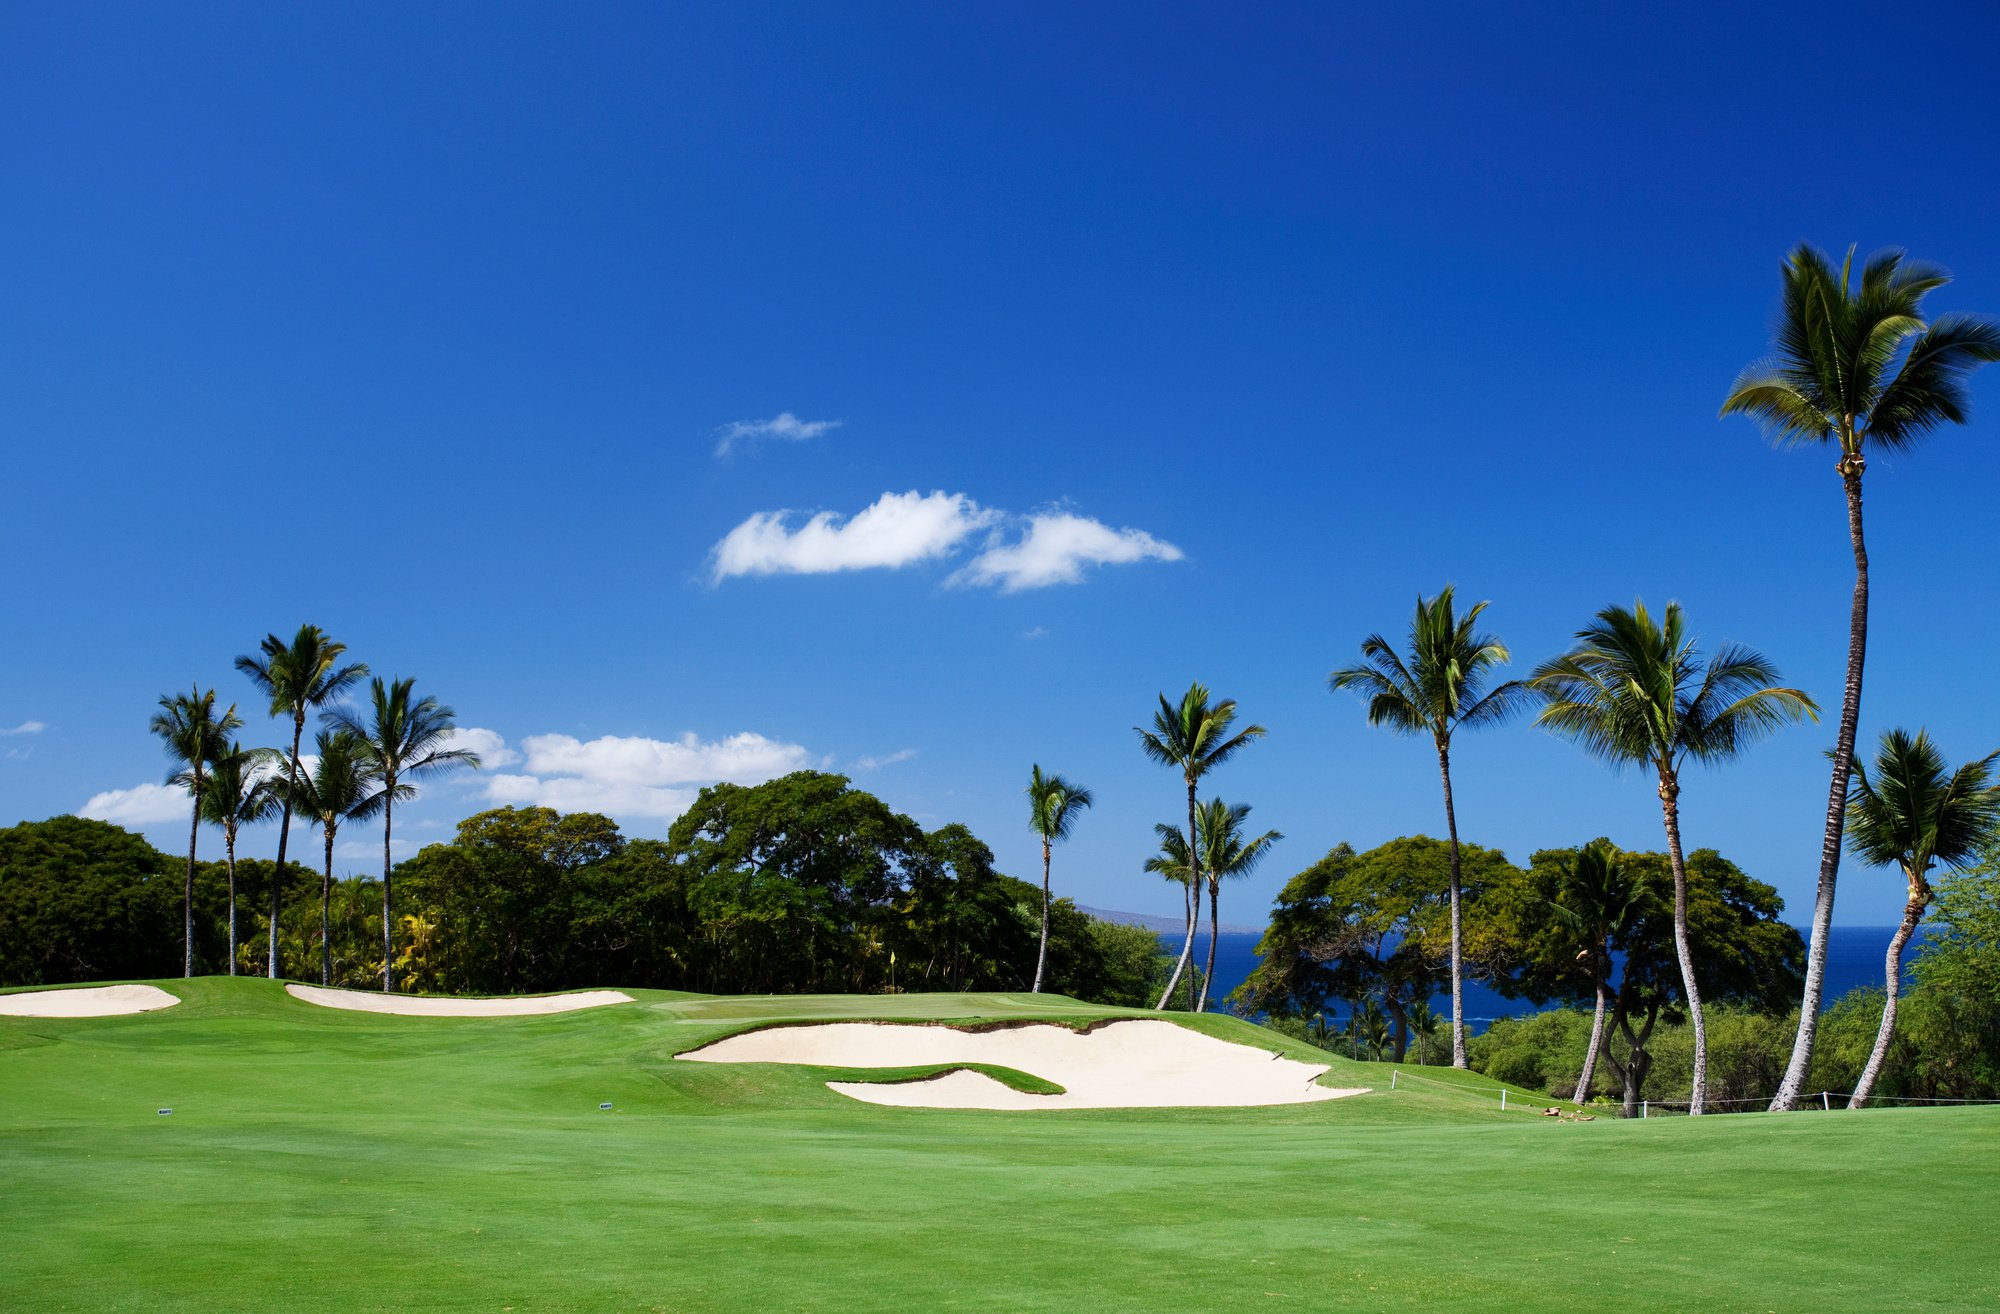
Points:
x=1166, y=343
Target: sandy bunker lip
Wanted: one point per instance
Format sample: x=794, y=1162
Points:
x=361, y=1001
x=89, y=1001
x=1121, y=1065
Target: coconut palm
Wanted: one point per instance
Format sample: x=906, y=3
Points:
x=1859, y=369
x=1423, y=1025
x=1053, y=805
x=340, y=787
x=1225, y=852
x=1439, y=687
x=405, y=739
x=1598, y=897
x=240, y=793
x=1172, y=863
x=1194, y=738
x=297, y=677
x=193, y=736
x=1636, y=690
x=1915, y=814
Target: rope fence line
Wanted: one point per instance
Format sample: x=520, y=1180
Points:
x=1669, y=1108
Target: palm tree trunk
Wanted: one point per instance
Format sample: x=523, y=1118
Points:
x=1042, y=955
x=1913, y=911
x=388, y=907
x=1671, y=814
x=326, y=915
x=1457, y=950
x=229, y=842
x=187, y=907
x=1208, y=973
x=1596, y=1040
x=1193, y=907
x=1798, y=1068
x=284, y=834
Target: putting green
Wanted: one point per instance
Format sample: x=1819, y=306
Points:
x=321, y=1159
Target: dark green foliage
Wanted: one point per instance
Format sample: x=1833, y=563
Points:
x=85, y=901
x=1374, y=924
x=800, y=883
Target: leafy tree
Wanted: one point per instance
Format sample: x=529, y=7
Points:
x=1859, y=369
x=1053, y=805
x=1438, y=688
x=788, y=879
x=240, y=793
x=404, y=739
x=1194, y=738
x=1961, y=955
x=964, y=926
x=1374, y=923
x=297, y=677
x=1915, y=813
x=193, y=736
x=340, y=787
x=517, y=902
x=1226, y=852
x=1637, y=691
x=83, y=900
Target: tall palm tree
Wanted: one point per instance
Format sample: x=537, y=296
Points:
x=1859, y=369
x=193, y=736
x=340, y=787
x=240, y=793
x=1226, y=851
x=1437, y=688
x=1635, y=690
x=1053, y=805
x=405, y=739
x=1194, y=738
x=297, y=677
x=1599, y=896
x=1915, y=814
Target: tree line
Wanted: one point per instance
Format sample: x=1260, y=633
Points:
x=803, y=883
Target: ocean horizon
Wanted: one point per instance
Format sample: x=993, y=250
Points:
x=1854, y=960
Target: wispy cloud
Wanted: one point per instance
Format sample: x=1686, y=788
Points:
x=890, y=759
x=26, y=728
x=783, y=427
x=138, y=806
x=1039, y=632
x=898, y=529
x=1056, y=548
x=635, y=776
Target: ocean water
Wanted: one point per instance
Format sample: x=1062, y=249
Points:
x=1853, y=959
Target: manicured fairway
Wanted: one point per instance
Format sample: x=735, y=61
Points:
x=328, y=1161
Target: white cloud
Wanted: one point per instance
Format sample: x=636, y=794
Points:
x=897, y=530
x=1056, y=548
x=785, y=427
x=138, y=806
x=633, y=776
x=26, y=728
x=491, y=748
x=877, y=763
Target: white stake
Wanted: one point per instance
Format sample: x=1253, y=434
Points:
x=1503, y=1100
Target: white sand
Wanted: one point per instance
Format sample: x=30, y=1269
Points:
x=91, y=1001
x=361, y=1001
x=1122, y=1065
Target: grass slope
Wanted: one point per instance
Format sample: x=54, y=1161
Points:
x=325, y=1160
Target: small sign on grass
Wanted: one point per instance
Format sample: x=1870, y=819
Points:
x=165, y=1112
x=605, y=1105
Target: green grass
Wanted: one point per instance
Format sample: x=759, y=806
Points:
x=320, y=1160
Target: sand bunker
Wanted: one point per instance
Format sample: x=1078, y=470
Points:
x=91, y=1001
x=361, y=1001
x=1123, y=1065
